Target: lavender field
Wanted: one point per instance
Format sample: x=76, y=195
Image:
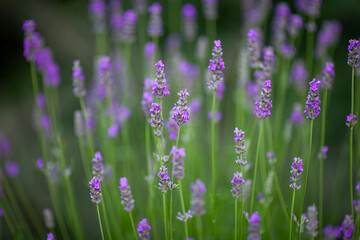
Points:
x=180, y=119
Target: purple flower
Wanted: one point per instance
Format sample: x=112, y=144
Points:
x=156, y=119
x=331, y=233
x=172, y=128
x=98, y=166
x=40, y=100
x=296, y=171
x=78, y=80
x=254, y=227
x=113, y=130
x=312, y=108
x=40, y=163
x=105, y=70
x=181, y=111
x=50, y=236
x=184, y=217
x=146, y=103
x=32, y=41
x=240, y=147
x=195, y=105
x=351, y=120
x=220, y=90
x=295, y=24
x=328, y=75
x=128, y=30
x=266, y=65
x=11, y=168
x=353, y=55
x=143, y=229
x=313, y=8
x=312, y=224
x=218, y=116
x=347, y=227
x=155, y=28
x=281, y=16
x=299, y=75
x=164, y=180
x=296, y=115
x=287, y=51
x=237, y=181
x=97, y=11
x=328, y=36
x=217, y=66
x=95, y=191
x=188, y=73
x=45, y=63
x=263, y=102
x=178, y=163
x=149, y=50
x=160, y=86
x=253, y=45
x=198, y=189
x=210, y=9
x=189, y=15
x=127, y=199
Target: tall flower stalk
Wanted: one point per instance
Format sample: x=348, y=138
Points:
x=96, y=197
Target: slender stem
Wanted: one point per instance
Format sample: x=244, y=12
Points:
x=34, y=80
x=235, y=234
x=309, y=50
x=292, y=211
x=256, y=165
x=165, y=219
x=170, y=214
x=87, y=130
x=241, y=215
x=106, y=220
x=351, y=144
x=101, y=229
x=199, y=227
x=213, y=167
x=133, y=225
x=183, y=208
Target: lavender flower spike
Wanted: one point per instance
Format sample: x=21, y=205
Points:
x=189, y=15
x=160, y=86
x=143, y=229
x=295, y=24
x=181, y=111
x=198, y=189
x=155, y=28
x=50, y=236
x=127, y=199
x=312, y=108
x=32, y=40
x=240, y=147
x=328, y=75
x=347, y=227
x=164, y=180
x=253, y=46
x=254, y=227
x=210, y=9
x=351, y=120
x=217, y=66
x=178, y=163
x=156, y=120
x=296, y=171
x=98, y=166
x=312, y=224
x=263, y=102
x=95, y=190
x=237, y=182
x=97, y=11
x=353, y=55
x=331, y=233
x=128, y=30
x=78, y=80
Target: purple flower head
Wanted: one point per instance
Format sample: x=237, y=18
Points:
x=50, y=236
x=127, y=199
x=217, y=66
x=353, y=55
x=266, y=66
x=172, y=128
x=29, y=25
x=40, y=100
x=218, y=116
x=188, y=73
x=184, y=217
x=113, y=130
x=328, y=36
x=98, y=166
x=252, y=90
x=5, y=147
x=178, y=162
x=263, y=102
x=328, y=75
x=296, y=115
x=197, y=202
x=312, y=224
x=45, y=63
x=160, y=86
x=156, y=119
x=116, y=21
x=295, y=24
x=32, y=41
x=97, y=11
x=164, y=179
x=40, y=163
x=11, y=168
x=220, y=90
x=253, y=45
x=143, y=229
x=351, y=120
x=296, y=171
x=279, y=23
x=128, y=29
x=195, y=105
x=287, y=51
x=347, y=227
x=149, y=50
x=155, y=28
x=45, y=122
x=237, y=181
x=189, y=15
x=331, y=233
x=146, y=103
x=299, y=75
x=95, y=190
x=254, y=227
x=181, y=111
x=78, y=80
x=105, y=71
x=210, y=9
x=312, y=108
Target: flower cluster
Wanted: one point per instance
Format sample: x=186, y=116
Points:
x=184, y=217
x=240, y=147
x=50, y=236
x=46, y=64
x=198, y=189
x=296, y=115
x=353, y=55
x=129, y=23
x=351, y=120
x=327, y=37
x=178, y=163
x=309, y=7
x=147, y=98
x=356, y=203
x=172, y=128
x=328, y=75
x=95, y=190
x=32, y=41
x=156, y=119
x=105, y=72
x=254, y=227
x=266, y=66
x=181, y=111
x=143, y=230
x=11, y=168
x=97, y=11
x=282, y=12
x=294, y=25
x=312, y=224
x=78, y=80
x=217, y=66
x=237, y=181
x=189, y=15
x=347, y=227
x=253, y=45
x=188, y=73
x=98, y=166
x=160, y=86
x=127, y=199
x=312, y=108
x=296, y=171
x=331, y=233
x=164, y=180
x=263, y=102
x=155, y=28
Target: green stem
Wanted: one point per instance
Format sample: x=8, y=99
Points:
x=165, y=219
x=256, y=165
x=183, y=208
x=199, y=227
x=101, y=229
x=292, y=211
x=133, y=225
x=241, y=215
x=87, y=130
x=309, y=51
x=351, y=144
x=34, y=80
x=213, y=167
x=235, y=234
x=106, y=220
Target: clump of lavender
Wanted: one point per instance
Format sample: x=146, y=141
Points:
x=253, y=46
x=237, y=181
x=294, y=26
x=312, y=224
x=155, y=28
x=351, y=120
x=160, y=86
x=299, y=75
x=129, y=24
x=97, y=11
x=217, y=66
x=178, y=163
x=48, y=218
x=143, y=229
x=353, y=55
x=164, y=180
x=198, y=189
x=98, y=166
x=282, y=12
x=312, y=108
x=263, y=102
x=347, y=227
x=254, y=227
x=127, y=199
x=95, y=190
x=147, y=98
x=189, y=15
x=210, y=9
x=331, y=233
x=181, y=111
x=240, y=147
x=328, y=75
x=296, y=171
x=32, y=41
x=296, y=115
x=157, y=121
x=327, y=37
x=78, y=80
